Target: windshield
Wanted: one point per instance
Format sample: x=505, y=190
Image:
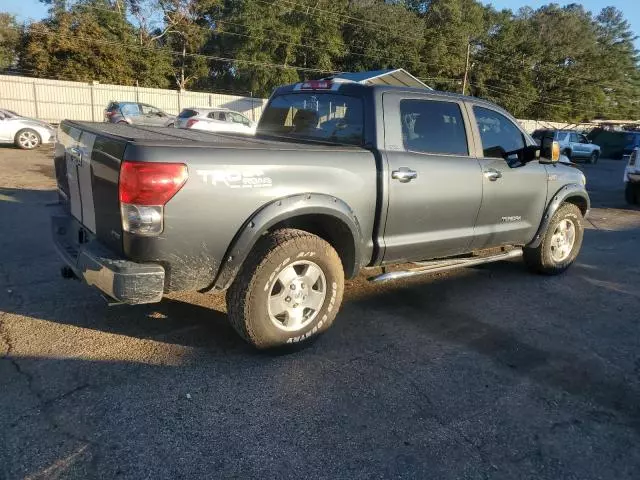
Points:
x=9, y=113
x=315, y=116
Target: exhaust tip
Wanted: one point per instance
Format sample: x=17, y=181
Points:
x=68, y=273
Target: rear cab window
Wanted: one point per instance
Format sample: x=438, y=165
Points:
x=431, y=126
x=327, y=117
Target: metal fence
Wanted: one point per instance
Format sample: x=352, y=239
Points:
x=55, y=100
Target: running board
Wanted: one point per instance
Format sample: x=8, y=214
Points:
x=443, y=266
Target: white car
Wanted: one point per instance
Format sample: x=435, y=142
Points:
x=23, y=132
x=215, y=120
x=632, y=178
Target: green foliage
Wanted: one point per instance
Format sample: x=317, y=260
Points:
x=93, y=41
x=553, y=63
x=9, y=40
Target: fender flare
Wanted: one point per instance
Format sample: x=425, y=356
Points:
x=278, y=211
x=568, y=191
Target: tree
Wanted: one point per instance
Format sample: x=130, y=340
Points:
x=278, y=43
x=450, y=25
x=93, y=41
x=185, y=32
x=9, y=40
x=375, y=44
x=618, y=61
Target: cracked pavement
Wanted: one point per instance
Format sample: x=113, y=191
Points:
x=489, y=372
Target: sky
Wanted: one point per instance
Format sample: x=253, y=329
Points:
x=630, y=8
x=34, y=10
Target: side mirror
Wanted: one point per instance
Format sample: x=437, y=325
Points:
x=549, y=151
x=530, y=153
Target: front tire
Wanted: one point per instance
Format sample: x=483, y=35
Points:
x=594, y=158
x=27, y=139
x=560, y=245
x=288, y=290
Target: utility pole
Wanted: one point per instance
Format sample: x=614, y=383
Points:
x=466, y=68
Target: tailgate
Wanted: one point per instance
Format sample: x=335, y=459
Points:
x=87, y=167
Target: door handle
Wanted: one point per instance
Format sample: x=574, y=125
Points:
x=492, y=175
x=404, y=174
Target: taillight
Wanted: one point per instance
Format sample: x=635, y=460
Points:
x=144, y=189
x=191, y=122
x=147, y=183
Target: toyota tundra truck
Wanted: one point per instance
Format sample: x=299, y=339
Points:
x=339, y=177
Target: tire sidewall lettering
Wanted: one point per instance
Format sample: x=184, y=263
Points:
x=273, y=275
x=317, y=328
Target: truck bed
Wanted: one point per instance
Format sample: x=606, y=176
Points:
x=164, y=136
x=231, y=178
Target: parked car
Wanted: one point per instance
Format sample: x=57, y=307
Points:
x=135, y=113
x=632, y=178
x=631, y=143
x=574, y=145
x=23, y=132
x=612, y=143
x=339, y=177
x=215, y=120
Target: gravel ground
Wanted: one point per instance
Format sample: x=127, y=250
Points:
x=489, y=372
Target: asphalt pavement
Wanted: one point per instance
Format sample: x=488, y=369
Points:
x=490, y=372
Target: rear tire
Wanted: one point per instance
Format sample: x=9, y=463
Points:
x=288, y=290
x=632, y=193
x=593, y=159
x=27, y=139
x=558, y=250
x=567, y=153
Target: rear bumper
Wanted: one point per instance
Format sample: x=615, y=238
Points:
x=118, y=278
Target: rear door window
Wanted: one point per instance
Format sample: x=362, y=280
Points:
x=237, y=118
x=430, y=126
x=499, y=135
x=130, y=109
x=149, y=110
x=574, y=138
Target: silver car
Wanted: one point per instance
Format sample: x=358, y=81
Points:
x=215, y=120
x=135, y=113
x=23, y=132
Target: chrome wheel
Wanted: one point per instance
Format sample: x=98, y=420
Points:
x=562, y=240
x=297, y=295
x=28, y=139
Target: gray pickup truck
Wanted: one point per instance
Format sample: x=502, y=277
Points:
x=339, y=177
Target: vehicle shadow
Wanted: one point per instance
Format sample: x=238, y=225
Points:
x=430, y=306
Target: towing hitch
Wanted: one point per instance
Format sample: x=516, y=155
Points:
x=68, y=273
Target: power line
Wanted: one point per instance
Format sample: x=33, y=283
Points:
x=486, y=51
x=192, y=55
